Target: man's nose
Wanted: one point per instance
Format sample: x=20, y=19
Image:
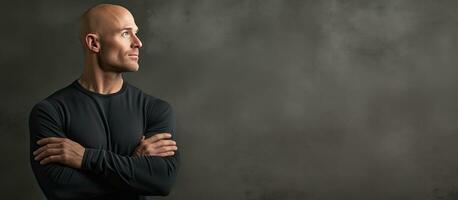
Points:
x=136, y=42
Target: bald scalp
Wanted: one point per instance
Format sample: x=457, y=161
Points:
x=100, y=19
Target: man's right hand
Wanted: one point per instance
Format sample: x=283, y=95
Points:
x=156, y=145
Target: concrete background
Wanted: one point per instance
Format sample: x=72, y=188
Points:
x=319, y=100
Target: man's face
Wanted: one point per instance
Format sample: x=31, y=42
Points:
x=119, y=44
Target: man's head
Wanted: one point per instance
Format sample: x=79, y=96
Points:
x=108, y=35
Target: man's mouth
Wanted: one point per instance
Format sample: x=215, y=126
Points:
x=133, y=56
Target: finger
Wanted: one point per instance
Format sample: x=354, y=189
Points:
x=154, y=147
x=154, y=151
x=159, y=136
x=54, y=158
x=169, y=153
x=159, y=143
x=52, y=145
x=48, y=152
x=147, y=144
x=50, y=140
x=168, y=148
x=165, y=143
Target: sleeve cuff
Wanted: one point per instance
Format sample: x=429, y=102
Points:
x=90, y=158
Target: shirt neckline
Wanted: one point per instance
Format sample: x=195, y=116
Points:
x=81, y=88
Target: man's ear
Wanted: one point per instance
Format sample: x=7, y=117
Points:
x=93, y=42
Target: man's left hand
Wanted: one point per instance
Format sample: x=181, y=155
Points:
x=59, y=150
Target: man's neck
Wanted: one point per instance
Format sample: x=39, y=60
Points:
x=98, y=81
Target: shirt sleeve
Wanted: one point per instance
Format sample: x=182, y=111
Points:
x=145, y=175
x=59, y=181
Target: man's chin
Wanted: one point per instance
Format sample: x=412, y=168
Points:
x=133, y=68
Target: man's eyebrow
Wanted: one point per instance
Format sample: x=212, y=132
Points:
x=130, y=28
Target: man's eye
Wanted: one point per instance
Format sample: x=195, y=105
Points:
x=125, y=34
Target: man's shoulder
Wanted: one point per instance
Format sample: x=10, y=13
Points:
x=151, y=100
x=66, y=92
x=55, y=97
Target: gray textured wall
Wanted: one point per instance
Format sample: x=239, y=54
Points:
x=317, y=100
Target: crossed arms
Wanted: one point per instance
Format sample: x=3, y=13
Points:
x=66, y=170
x=70, y=153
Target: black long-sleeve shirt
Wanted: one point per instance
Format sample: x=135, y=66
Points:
x=110, y=128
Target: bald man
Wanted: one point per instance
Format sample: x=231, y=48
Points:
x=100, y=137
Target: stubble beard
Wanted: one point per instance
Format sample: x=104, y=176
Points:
x=117, y=68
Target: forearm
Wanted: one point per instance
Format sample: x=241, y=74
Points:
x=61, y=182
x=146, y=175
x=56, y=180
